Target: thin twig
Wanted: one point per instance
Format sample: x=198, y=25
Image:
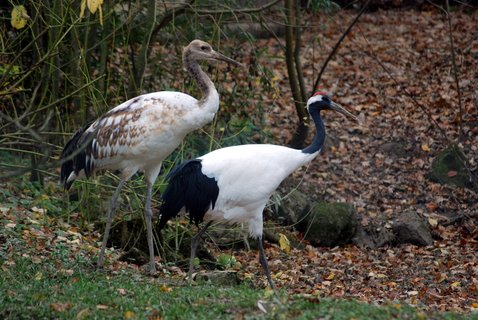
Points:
x=17, y=123
x=336, y=47
x=455, y=71
x=298, y=45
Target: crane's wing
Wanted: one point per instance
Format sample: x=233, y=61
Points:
x=114, y=137
x=190, y=189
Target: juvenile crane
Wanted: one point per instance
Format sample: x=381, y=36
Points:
x=233, y=184
x=140, y=133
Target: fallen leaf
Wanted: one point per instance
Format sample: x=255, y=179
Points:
x=101, y=307
x=452, y=173
x=165, y=288
x=10, y=225
x=284, y=243
x=425, y=147
x=330, y=276
x=432, y=206
x=261, y=306
x=433, y=222
x=83, y=314
x=36, y=260
x=4, y=209
x=60, y=307
x=129, y=315
x=39, y=210
x=66, y=272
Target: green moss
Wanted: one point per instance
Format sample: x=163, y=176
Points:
x=329, y=224
x=449, y=167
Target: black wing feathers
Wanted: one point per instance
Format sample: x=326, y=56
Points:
x=78, y=161
x=188, y=188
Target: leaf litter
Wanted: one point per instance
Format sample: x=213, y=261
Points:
x=355, y=167
x=381, y=167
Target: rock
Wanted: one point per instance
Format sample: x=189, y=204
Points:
x=398, y=148
x=219, y=277
x=373, y=236
x=291, y=207
x=409, y=227
x=135, y=256
x=226, y=236
x=329, y=224
x=449, y=167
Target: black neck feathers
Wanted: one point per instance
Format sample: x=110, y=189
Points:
x=319, y=138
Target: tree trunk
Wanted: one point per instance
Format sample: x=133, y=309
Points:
x=294, y=71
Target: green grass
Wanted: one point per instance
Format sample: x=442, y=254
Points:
x=46, y=290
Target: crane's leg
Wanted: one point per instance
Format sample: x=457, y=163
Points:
x=194, y=245
x=149, y=228
x=263, y=262
x=111, y=210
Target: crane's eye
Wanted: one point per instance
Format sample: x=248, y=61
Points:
x=204, y=48
x=325, y=99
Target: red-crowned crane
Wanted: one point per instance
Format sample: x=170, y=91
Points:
x=140, y=133
x=233, y=184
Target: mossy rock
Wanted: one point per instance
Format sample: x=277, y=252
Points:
x=289, y=210
x=329, y=224
x=449, y=167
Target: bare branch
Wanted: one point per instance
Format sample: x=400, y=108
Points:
x=337, y=45
x=17, y=123
x=455, y=71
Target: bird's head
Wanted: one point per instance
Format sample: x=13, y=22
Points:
x=320, y=101
x=200, y=50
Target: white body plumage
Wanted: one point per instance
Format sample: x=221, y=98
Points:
x=247, y=176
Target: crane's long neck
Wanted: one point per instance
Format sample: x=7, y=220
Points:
x=319, y=138
x=210, y=96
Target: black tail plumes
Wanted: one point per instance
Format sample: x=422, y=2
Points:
x=188, y=188
x=77, y=162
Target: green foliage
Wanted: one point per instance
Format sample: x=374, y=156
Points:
x=226, y=261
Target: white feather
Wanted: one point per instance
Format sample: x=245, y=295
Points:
x=247, y=176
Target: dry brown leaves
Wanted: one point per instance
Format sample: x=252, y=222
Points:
x=381, y=166
x=440, y=277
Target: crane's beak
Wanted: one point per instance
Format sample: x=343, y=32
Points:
x=219, y=56
x=337, y=107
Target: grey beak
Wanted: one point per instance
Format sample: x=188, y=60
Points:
x=337, y=107
x=219, y=56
